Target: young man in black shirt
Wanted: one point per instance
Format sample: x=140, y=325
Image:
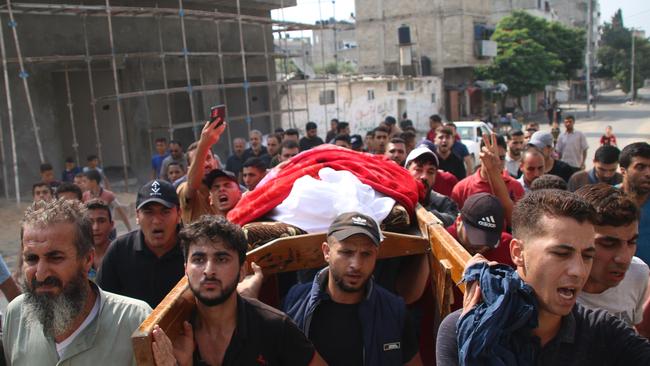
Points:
x=311, y=139
x=227, y=329
x=350, y=319
x=449, y=161
x=553, y=250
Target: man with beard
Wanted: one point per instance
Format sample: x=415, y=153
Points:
x=311, y=139
x=422, y=164
x=618, y=280
x=604, y=170
x=194, y=195
x=513, y=158
x=63, y=318
x=553, y=250
x=635, y=168
x=228, y=329
x=350, y=319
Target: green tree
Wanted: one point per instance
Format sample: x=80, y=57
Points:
x=334, y=68
x=615, y=54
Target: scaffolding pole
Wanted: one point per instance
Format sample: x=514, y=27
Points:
x=120, y=119
x=249, y=120
x=223, y=81
x=24, y=75
x=147, y=112
x=75, y=143
x=91, y=87
x=170, y=130
x=322, y=59
x=268, y=76
x=336, y=61
x=186, y=57
x=304, y=68
x=292, y=116
x=10, y=115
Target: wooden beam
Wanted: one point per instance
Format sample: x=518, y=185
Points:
x=304, y=251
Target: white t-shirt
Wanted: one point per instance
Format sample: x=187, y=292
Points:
x=624, y=301
x=60, y=347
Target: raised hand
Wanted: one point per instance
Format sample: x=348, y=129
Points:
x=211, y=133
x=489, y=154
x=166, y=354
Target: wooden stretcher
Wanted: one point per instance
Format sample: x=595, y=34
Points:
x=446, y=262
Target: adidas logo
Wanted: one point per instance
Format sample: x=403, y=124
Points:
x=488, y=221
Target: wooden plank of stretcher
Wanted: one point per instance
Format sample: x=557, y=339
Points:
x=443, y=245
x=304, y=251
x=176, y=307
x=281, y=255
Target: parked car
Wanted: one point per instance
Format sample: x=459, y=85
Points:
x=471, y=135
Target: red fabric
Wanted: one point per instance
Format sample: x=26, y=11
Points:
x=377, y=171
x=445, y=182
x=431, y=135
x=475, y=184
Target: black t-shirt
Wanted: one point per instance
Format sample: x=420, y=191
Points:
x=337, y=334
x=307, y=143
x=562, y=170
x=131, y=269
x=586, y=338
x=264, y=336
x=453, y=164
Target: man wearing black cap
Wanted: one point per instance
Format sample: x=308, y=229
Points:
x=479, y=228
x=146, y=263
x=224, y=191
x=356, y=142
x=350, y=319
x=311, y=139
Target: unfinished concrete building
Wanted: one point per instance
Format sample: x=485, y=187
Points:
x=108, y=77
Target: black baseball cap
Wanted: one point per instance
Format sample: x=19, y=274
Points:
x=158, y=191
x=483, y=216
x=217, y=173
x=351, y=223
x=356, y=141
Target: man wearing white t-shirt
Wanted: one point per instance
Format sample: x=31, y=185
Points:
x=63, y=318
x=618, y=281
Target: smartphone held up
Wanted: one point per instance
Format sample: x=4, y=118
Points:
x=218, y=113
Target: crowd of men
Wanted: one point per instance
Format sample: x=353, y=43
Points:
x=577, y=240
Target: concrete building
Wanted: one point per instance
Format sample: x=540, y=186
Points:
x=339, y=42
x=364, y=101
x=539, y=8
x=446, y=39
x=109, y=80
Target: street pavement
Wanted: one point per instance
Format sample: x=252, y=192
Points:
x=630, y=122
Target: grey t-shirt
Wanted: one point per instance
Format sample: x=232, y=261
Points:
x=624, y=301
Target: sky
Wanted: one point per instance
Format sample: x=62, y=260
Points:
x=636, y=13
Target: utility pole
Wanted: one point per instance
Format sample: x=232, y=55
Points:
x=589, y=31
x=632, y=68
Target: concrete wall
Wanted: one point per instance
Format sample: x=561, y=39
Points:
x=363, y=114
x=442, y=30
x=144, y=118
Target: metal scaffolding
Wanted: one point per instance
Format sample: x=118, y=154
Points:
x=89, y=63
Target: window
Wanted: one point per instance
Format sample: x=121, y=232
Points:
x=410, y=85
x=371, y=94
x=433, y=97
x=326, y=97
x=391, y=85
